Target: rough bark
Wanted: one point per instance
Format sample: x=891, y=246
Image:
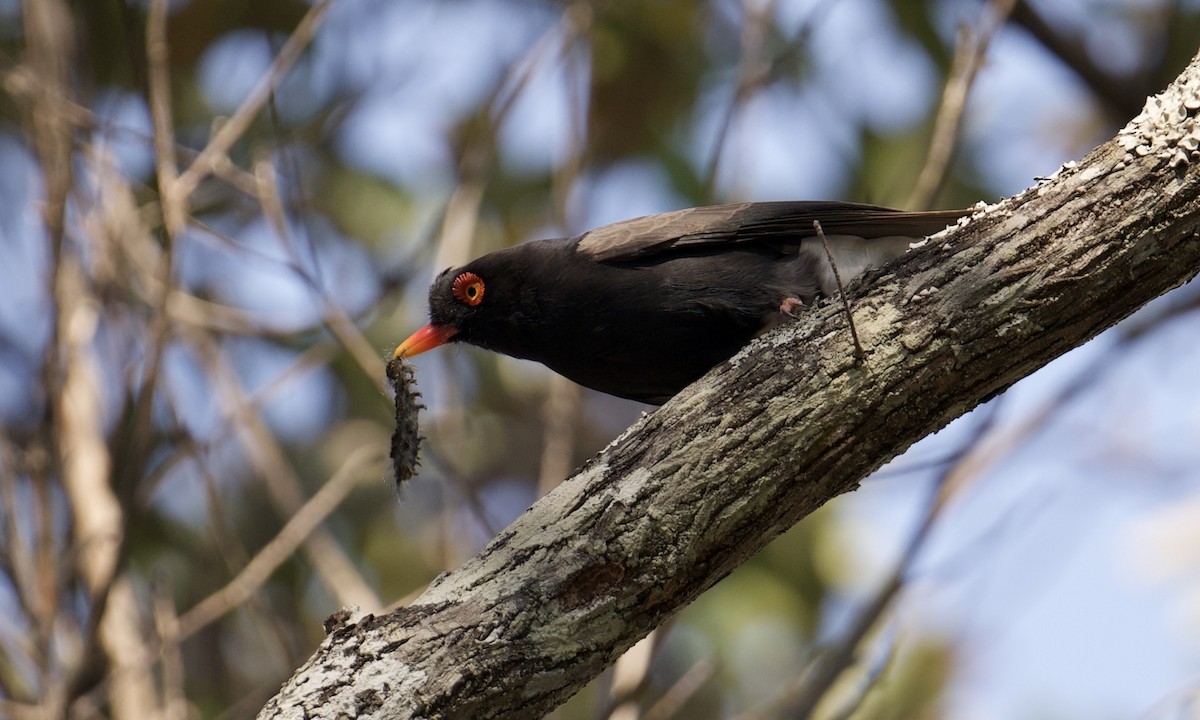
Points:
x=703, y=483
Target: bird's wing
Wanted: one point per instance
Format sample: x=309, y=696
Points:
x=756, y=221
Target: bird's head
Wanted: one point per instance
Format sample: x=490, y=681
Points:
x=482, y=303
x=457, y=299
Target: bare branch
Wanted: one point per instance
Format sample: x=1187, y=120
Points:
x=173, y=203
x=166, y=626
x=285, y=542
x=672, y=701
x=969, y=55
x=337, y=571
x=801, y=698
x=336, y=320
x=754, y=73
x=232, y=129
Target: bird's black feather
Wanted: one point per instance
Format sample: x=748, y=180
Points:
x=644, y=307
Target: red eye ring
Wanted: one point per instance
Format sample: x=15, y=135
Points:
x=468, y=288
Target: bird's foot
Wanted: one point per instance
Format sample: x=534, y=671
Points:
x=790, y=305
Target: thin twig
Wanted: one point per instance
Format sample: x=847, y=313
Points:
x=336, y=570
x=673, y=700
x=42, y=81
x=800, y=699
x=174, y=205
x=131, y=691
x=315, y=357
x=98, y=516
x=863, y=687
x=232, y=129
x=754, y=74
x=859, y=353
x=285, y=542
x=336, y=320
x=175, y=212
x=17, y=644
x=629, y=675
x=968, y=56
x=166, y=627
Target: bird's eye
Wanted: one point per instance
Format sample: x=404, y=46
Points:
x=468, y=288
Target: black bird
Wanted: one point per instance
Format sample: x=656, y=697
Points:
x=641, y=308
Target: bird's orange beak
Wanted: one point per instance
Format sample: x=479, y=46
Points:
x=427, y=338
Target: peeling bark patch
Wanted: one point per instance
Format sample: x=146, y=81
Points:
x=591, y=584
x=406, y=439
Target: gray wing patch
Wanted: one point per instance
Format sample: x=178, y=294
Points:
x=643, y=236
x=784, y=222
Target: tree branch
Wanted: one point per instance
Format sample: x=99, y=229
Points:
x=700, y=485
